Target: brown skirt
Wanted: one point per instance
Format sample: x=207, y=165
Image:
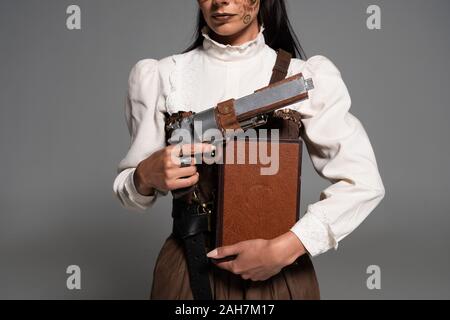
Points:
x=171, y=280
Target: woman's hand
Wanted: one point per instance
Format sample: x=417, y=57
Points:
x=162, y=171
x=259, y=259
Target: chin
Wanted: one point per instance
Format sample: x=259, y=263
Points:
x=226, y=29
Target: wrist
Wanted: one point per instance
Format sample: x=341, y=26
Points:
x=140, y=186
x=288, y=248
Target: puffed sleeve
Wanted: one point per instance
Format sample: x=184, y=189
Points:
x=341, y=153
x=145, y=124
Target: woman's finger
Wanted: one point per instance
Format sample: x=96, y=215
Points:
x=176, y=162
x=245, y=276
x=184, y=172
x=186, y=182
x=178, y=150
x=226, y=265
x=196, y=148
x=225, y=251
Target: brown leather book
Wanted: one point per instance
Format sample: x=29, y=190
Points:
x=256, y=206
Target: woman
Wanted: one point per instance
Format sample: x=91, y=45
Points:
x=232, y=57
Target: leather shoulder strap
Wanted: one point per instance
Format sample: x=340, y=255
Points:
x=281, y=67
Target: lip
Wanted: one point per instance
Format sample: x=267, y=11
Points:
x=218, y=14
x=223, y=17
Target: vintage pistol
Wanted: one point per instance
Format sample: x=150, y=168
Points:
x=234, y=116
x=244, y=113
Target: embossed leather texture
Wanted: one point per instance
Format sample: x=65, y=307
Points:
x=256, y=206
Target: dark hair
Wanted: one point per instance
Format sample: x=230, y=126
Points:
x=278, y=32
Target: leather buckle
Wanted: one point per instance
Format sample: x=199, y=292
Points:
x=206, y=209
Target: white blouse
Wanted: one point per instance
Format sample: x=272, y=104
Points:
x=337, y=143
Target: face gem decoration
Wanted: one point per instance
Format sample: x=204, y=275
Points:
x=249, y=8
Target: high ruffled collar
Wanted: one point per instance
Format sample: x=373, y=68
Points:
x=232, y=53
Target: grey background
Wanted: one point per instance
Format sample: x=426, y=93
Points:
x=63, y=133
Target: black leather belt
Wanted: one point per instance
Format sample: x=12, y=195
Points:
x=190, y=225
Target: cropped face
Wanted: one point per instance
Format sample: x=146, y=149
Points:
x=239, y=15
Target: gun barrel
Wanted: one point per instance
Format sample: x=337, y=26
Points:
x=273, y=97
x=252, y=106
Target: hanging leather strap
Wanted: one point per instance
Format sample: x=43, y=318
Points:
x=190, y=227
x=281, y=67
